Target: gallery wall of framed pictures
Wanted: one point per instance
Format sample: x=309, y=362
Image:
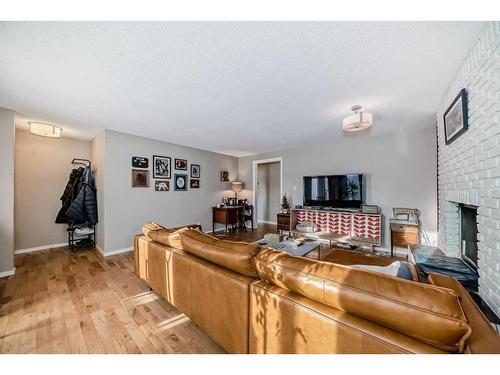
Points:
x=162, y=173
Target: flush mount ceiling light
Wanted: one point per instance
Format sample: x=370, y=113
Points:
x=358, y=121
x=45, y=130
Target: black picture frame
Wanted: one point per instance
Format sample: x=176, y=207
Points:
x=224, y=176
x=195, y=171
x=162, y=167
x=180, y=182
x=194, y=183
x=140, y=162
x=455, y=119
x=181, y=164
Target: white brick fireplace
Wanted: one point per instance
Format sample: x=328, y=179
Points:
x=469, y=168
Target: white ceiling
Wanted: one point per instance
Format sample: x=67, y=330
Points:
x=236, y=88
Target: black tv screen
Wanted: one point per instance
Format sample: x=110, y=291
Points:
x=342, y=191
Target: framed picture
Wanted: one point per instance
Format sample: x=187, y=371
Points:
x=139, y=162
x=180, y=182
x=162, y=185
x=195, y=171
x=181, y=164
x=161, y=167
x=224, y=176
x=456, y=118
x=140, y=178
x=194, y=184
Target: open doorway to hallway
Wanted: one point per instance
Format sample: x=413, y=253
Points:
x=267, y=189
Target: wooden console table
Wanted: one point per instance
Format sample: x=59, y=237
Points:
x=228, y=215
x=234, y=216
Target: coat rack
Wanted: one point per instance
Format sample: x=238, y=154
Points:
x=82, y=162
x=86, y=239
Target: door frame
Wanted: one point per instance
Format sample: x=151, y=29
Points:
x=255, y=164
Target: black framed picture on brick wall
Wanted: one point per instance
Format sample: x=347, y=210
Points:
x=456, y=118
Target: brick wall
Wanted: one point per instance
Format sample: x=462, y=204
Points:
x=469, y=168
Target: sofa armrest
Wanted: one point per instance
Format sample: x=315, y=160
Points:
x=484, y=338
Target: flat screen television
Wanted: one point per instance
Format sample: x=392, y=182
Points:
x=341, y=191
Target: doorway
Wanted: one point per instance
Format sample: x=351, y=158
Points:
x=267, y=189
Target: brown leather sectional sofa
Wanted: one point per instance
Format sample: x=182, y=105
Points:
x=258, y=300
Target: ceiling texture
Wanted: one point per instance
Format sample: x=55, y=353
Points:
x=238, y=88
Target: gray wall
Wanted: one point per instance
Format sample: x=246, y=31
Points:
x=268, y=192
x=97, y=156
x=399, y=169
x=7, y=137
x=42, y=169
x=127, y=209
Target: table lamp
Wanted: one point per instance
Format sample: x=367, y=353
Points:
x=236, y=186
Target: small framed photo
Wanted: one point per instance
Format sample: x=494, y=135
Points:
x=180, y=182
x=161, y=167
x=456, y=118
x=162, y=185
x=194, y=184
x=181, y=164
x=224, y=176
x=195, y=171
x=140, y=178
x=139, y=162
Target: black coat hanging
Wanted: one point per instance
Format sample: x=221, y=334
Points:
x=79, y=200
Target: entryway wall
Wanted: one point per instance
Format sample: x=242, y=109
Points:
x=268, y=192
x=42, y=168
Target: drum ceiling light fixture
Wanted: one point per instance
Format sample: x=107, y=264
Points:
x=358, y=121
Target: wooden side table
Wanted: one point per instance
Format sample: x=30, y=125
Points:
x=283, y=221
x=404, y=233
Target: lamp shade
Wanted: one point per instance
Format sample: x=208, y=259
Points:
x=45, y=130
x=236, y=186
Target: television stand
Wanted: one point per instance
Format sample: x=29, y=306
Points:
x=357, y=228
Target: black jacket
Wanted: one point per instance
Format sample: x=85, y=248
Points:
x=79, y=200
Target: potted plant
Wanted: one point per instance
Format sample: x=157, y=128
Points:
x=285, y=206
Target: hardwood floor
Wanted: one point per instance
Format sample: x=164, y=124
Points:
x=64, y=302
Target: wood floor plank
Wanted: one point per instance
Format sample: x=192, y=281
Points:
x=43, y=323
x=13, y=331
x=92, y=339
x=60, y=339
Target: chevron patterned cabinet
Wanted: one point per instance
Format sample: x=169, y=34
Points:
x=355, y=226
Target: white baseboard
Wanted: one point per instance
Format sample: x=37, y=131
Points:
x=8, y=273
x=39, y=248
x=266, y=222
x=114, y=252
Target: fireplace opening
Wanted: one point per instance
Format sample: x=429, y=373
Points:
x=468, y=224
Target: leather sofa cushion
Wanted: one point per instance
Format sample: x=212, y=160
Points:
x=424, y=312
x=235, y=256
x=166, y=236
